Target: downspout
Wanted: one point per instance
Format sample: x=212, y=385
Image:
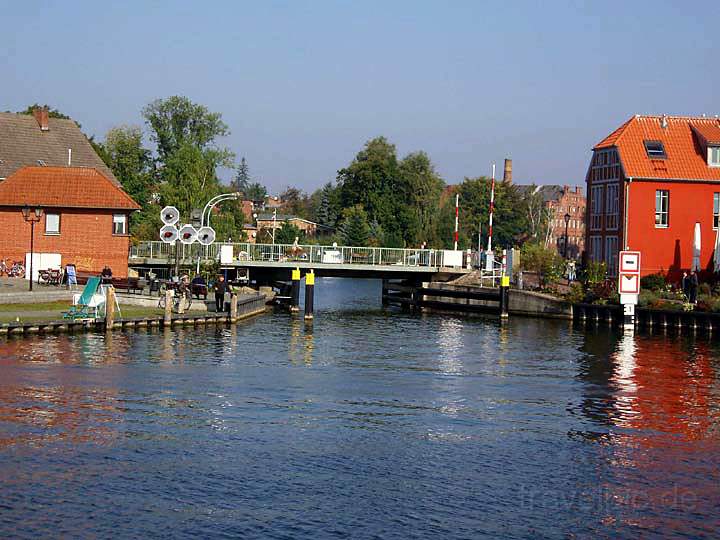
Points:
x=628, y=181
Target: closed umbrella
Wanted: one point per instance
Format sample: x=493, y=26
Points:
x=696, y=248
x=716, y=253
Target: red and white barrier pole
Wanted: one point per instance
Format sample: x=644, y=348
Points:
x=492, y=208
x=457, y=216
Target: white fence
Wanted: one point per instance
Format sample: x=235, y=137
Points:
x=288, y=253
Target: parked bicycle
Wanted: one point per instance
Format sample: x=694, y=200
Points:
x=16, y=269
x=182, y=299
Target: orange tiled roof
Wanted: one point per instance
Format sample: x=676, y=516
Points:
x=686, y=158
x=63, y=187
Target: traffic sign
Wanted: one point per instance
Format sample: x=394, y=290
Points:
x=169, y=234
x=629, y=262
x=187, y=234
x=629, y=284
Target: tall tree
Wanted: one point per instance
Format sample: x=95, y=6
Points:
x=421, y=189
x=130, y=162
x=188, y=155
x=241, y=182
x=327, y=211
x=371, y=180
x=354, y=229
x=256, y=192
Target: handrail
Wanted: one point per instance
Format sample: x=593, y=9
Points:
x=315, y=254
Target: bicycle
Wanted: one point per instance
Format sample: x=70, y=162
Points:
x=181, y=299
x=17, y=269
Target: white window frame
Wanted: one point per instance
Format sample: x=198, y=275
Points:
x=714, y=156
x=611, y=254
x=596, y=202
x=716, y=210
x=659, y=223
x=123, y=221
x=49, y=232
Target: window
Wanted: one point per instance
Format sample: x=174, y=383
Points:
x=612, y=207
x=119, y=224
x=714, y=156
x=596, y=248
x=716, y=210
x=662, y=208
x=611, y=253
x=52, y=223
x=655, y=149
x=596, y=207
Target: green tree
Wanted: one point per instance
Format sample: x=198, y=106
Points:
x=287, y=233
x=327, y=210
x=256, y=192
x=354, y=229
x=421, y=190
x=188, y=156
x=241, y=182
x=371, y=180
x=130, y=162
x=52, y=113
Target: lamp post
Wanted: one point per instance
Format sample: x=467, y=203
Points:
x=567, y=220
x=32, y=216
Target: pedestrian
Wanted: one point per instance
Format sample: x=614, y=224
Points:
x=693, y=286
x=685, y=283
x=571, y=271
x=106, y=275
x=220, y=288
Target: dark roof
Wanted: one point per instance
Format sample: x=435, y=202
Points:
x=23, y=143
x=550, y=192
x=63, y=187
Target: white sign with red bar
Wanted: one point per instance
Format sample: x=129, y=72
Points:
x=629, y=262
x=629, y=284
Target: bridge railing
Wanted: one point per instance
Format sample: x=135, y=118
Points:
x=374, y=256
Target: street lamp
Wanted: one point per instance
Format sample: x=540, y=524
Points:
x=32, y=216
x=567, y=220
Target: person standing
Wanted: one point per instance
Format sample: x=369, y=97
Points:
x=220, y=288
x=685, y=284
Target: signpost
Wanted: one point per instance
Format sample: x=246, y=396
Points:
x=629, y=285
x=173, y=232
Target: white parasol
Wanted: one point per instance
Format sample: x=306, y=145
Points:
x=696, y=248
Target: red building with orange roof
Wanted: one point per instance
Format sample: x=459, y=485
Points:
x=649, y=182
x=85, y=217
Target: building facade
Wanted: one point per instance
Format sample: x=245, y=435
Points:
x=84, y=222
x=649, y=182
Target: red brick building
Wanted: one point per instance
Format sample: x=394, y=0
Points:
x=85, y=217
x=649, y=182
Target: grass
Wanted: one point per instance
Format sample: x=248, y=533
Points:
x=48, y=311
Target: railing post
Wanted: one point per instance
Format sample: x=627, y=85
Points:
x=504, y=296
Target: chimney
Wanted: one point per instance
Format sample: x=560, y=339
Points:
x=664, y=122
x=507, y=172
x=41, y=115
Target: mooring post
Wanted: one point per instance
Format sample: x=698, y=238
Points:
x=309, y=294
x=233, y=308
x=109, y=308
x=295, y=303
x=504, y=296
x=168, y=307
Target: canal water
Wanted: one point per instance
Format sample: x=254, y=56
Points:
x=369, y=423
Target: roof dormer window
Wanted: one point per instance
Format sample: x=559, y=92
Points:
x=714, y=156
x=655, y=149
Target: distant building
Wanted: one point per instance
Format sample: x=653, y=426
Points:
x=266, y=223
x=649, y=182
x=559, y=201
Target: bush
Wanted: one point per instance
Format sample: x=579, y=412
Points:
x=648, y=298
x=704, y=289
x=576, y=294
x=595, y=273
x=546, y=262
x=653, y=282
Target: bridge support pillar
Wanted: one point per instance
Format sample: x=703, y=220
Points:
x=295, y=303
x=309, y=294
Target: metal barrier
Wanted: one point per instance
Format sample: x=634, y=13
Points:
x=315, y=254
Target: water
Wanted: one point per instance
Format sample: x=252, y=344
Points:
x=367, y=424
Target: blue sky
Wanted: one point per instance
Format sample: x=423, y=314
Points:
x=303, y=85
